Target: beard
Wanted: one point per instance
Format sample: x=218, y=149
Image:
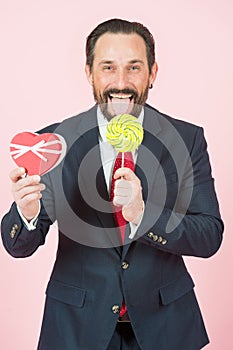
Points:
x=135, y=104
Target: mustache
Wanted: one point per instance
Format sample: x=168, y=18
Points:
x=132, y=92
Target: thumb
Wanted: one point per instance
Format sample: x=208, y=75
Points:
x=126, y=173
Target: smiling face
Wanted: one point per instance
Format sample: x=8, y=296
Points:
x=120, y=74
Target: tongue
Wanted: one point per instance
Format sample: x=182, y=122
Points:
x=120, y=106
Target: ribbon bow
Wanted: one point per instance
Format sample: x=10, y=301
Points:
x=37, y=149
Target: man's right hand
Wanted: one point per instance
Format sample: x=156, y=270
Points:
x=26, y=191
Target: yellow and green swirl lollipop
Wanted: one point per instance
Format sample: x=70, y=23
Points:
x=125, y=133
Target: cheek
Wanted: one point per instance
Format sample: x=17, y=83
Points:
x=141, y=82
x=100, y=83
x=141, y=87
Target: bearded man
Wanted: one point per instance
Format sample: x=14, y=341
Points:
x=106, y=291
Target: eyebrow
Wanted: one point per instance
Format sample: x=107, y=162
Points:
x=106, y=62
x=130, y=62
x=136, y=61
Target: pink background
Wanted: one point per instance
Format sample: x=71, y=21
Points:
x=42, y=81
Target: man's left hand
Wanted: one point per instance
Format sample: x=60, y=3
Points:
x=128, y=194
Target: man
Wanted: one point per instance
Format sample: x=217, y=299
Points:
x=104, y=294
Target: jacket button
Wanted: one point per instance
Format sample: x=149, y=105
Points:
x=164, y=241
x=116, y=309
x=155, y=238
x=160, y=239
x=14, y=230
x=125, y=265
x=150, y=235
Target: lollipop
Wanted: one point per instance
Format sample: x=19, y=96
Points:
x=125, y=133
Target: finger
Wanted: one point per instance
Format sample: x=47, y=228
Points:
x=120, y=201
x=126, y=173
x=122, y=183
x=27, y=181
x=32, y=197
x=122, y=194
x=123, y=190
x=17, y=173
x=30, y=189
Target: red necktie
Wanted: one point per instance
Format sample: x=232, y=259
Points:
x=119, y=219
x=128, y=163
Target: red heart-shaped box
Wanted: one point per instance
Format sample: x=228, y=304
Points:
x=37, y=153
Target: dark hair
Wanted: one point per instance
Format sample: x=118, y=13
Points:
x=120, y=26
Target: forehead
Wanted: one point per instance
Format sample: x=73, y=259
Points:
x=120, y=47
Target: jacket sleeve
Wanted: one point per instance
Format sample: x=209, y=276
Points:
x=17, y=239
x=195, y=229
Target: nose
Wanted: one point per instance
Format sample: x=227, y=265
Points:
x=121, y=79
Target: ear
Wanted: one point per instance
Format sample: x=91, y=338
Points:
x=153, y=73
x=89, y=74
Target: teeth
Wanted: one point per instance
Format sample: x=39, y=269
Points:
x=120, y=96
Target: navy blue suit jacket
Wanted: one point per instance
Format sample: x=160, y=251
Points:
x=92, y=272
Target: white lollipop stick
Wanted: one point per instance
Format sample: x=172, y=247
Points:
x=122, y=159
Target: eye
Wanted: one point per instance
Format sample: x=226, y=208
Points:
x=107, y=68
x=134, y=68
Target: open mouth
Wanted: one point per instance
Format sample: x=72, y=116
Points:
x=119, y=103
x=120, y=97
